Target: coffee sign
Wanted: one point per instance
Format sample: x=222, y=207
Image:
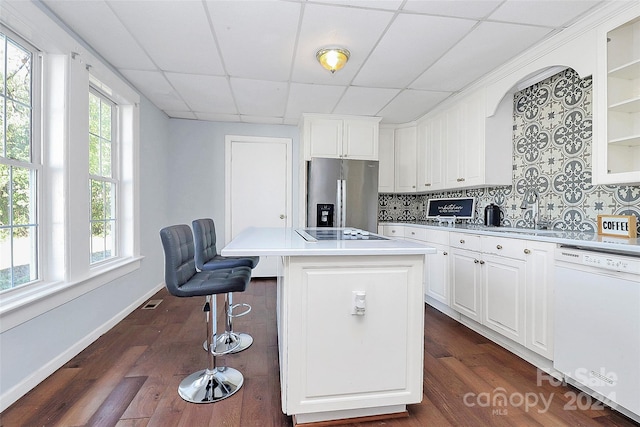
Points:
x=617, y=225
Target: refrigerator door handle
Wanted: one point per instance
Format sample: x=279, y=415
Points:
x=338, y=212
x=343, y=211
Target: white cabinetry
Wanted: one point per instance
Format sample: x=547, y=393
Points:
x=503, y=273
x=617, y=121
x=432, y=134
x=340, y=136
x=475, y=154
x=436, y=277
x=386, y=179
x=466, y=276
x=488, y=282
x=540, y=289
x=315, y=304
x=405, y=159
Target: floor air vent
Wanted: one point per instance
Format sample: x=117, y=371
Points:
x=152, y=304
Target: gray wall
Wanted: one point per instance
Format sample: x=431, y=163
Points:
x=196, y=169
x=28, y=347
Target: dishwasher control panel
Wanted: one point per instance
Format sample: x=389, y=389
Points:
x=605, y=261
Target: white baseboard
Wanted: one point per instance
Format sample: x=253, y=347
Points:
x=16, y=392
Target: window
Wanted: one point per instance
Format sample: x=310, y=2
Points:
x=102, y=173
x=19, y=164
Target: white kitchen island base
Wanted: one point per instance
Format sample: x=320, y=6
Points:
x=339, y=361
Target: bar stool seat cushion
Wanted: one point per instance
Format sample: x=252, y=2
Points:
x=181, y=277
x=206, y=255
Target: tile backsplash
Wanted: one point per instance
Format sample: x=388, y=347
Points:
x=552, y=139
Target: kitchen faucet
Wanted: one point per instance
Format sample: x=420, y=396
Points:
x=535, y=206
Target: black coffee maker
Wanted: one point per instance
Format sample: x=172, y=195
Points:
x=492, y=215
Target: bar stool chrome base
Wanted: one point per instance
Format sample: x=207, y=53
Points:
x=237, y=342
x=208, y=386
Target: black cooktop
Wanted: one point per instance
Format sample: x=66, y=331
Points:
x=317, y=234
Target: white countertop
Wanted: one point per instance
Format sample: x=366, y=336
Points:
x=264, y=241
x=573, y=238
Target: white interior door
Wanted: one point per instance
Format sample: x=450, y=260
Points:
x=258, y=188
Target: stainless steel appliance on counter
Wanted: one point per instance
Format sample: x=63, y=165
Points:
x=342, y=193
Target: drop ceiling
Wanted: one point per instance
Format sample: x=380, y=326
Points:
x=254, y=61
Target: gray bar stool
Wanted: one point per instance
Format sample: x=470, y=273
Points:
x=183, y=280
x=208, y=259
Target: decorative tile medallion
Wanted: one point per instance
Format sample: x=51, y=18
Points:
x=552, y=140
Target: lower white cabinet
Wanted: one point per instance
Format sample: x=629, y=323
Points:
x=466, y=287
x=503, y=295
x=540, y=281
x=503, y=283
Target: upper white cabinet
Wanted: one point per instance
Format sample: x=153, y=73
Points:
x=617, y=147
x=340, y=136
x=431, y=145
x=478, y=148
x=405, y=159
x=386, y=179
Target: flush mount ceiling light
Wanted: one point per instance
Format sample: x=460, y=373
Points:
x=333, y=59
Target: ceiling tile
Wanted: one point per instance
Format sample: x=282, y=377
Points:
x=181, y=115
x=554, y=13
x=462, y=8
x=155, y=86
x=357, y=30
x=259, y=97
x=410, y=105
x=175, y=34
x=206, y=94
x=364, y=101
x=258, y=41
x=309, y=98
x=412, y=43
x=487, y=46
x=96, y=23
x=370, y=4
x=211, y=117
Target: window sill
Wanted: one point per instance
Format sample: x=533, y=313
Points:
x=25, y=304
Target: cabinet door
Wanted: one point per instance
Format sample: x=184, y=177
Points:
x=504, y=296
x=386, y=178
x=453, y=170
x=539, y=294
x=325, y=137
x=437, y=274
x=360, y=140
x=405, y=160
x=430, y=154
x=466, y=286
x=472, y=154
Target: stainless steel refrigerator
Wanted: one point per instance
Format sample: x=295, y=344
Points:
x=342, y=193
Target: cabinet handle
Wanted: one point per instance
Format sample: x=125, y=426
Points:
x=460, y=179
x=499, y=247
x=445, y=253
x=393, y=231
x=481, y=262
x=475, y=261
x=461, y=240
x=413, y=186
x=427, y=185
x=527, y=251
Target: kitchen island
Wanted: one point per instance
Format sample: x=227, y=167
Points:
x=350, y=321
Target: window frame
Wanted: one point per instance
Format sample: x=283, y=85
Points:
x=34, y=165
x=114, y=179
x=65, y=271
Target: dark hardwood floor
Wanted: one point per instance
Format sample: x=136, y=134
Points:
x=129, y=377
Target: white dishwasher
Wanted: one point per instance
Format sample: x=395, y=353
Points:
x=597, y=324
